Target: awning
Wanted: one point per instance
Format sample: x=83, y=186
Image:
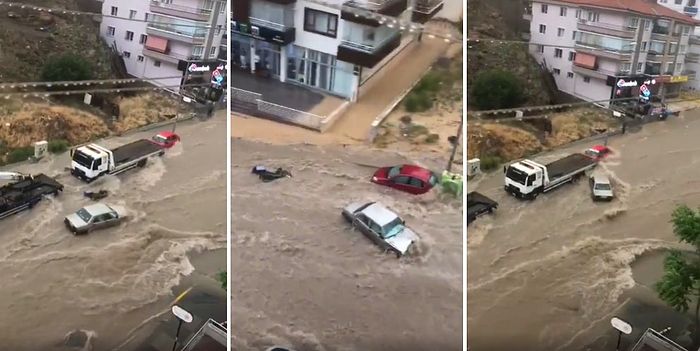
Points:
x=585, y=60
x=157, y=44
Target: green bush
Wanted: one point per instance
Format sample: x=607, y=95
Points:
x=66, y=67
x=418, y=101
x=58, y=146
x=489, y=163
x=495, y=89
x=415, y=130
x=430, y=82
x=20, y=155
x=432, y=138
x=221, y=277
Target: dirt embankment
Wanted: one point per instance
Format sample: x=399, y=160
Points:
x=145, y=109
x=511, y=140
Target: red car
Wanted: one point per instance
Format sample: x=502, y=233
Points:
x=409, y=178
x=598, y=152
x=166, y=139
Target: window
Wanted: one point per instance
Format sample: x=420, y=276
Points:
x=562, y=11
x=586, y=79
x=114, y=11
x=572, y=55
x=198, y=51
x=415, y=182
x=402, y=180
x=686, y=30
x=647, y=24
x=639, y=66
x=682, y=49
x=633, y=22
x=672, y=48
x=679, y=2
x=669, y=68
x=143, y=38
x=593, y=16
x=556, y=71
x=560, y=32
x=129, y=36
x=569, y=75
x=644, y=46
x=573, y=35
x=625, y=67
x=558, y=53
x=578, y=13
x=110, y=31
x=132, y=14
x=127, y=54
x=320, y=22
x=544, y=8
x=540, y=49
x=691, y=3
x=543, y=28
x=156, y=63
x=213, y=51
x=139, y=58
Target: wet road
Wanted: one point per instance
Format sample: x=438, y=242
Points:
x=549, y=274
x=110, y=281
x=303, y=278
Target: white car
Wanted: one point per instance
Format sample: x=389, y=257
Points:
x=89, y=218
x=601, y=187
x=381, y=225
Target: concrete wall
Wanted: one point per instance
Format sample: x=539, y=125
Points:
x=315, y=41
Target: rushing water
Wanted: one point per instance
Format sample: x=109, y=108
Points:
x=110, y=281
x=549, y=274
x=302, y=277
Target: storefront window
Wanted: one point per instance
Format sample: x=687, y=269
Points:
x=240, y=51
x=319, y=70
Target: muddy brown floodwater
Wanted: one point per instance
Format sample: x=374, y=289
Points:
x=550, y=273
x=301, y=277
x=111, y=281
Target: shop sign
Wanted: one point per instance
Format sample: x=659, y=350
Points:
x=624, y=83
x=678, y=79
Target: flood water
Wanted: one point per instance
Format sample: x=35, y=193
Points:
x=303, y=278
x=549, y=274
x=109, y=282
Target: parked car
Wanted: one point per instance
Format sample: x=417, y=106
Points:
x=409, y=178
x=381, y=225
x=601, y=188
x=598, y=152
x=92, y=217
x=166, y=139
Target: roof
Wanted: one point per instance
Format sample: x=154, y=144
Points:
x=599, y=148
x=166, y=134
x=643, y=7
x=379, y=214
x=416, y=171
x=96, y=209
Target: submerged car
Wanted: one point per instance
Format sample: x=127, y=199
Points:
x=409, y=178
x=166, y=139
x=601, y=188
x=92, y=217
x=384, y=227
x=598, y=152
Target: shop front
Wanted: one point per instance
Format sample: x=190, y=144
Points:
x=259, y=50
x=205, y=79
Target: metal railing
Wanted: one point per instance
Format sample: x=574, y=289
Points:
x=173, y=28
x=269, y=24
x=369, y=48
x=193, y=10
x=275, y=111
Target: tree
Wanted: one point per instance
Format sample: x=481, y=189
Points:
x=680, y=285
x=66, y=67
x=496, y=89
x=221, y=277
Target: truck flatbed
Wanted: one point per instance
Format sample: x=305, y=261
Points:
x=18, y=196
x=478, y=204
x=131, y=151
x=568, y=165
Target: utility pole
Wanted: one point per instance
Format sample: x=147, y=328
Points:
x=456, y=144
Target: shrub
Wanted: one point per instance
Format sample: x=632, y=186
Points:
x=418, y=101
x=66, y=67
x=416, y=130
x=490, y=162
x=20, y=155
x=58, y=146
x=432, y=138
x=496, y=89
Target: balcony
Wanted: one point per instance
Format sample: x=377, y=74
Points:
x=660, y=33
x=690, y=10
x=615, y=30
x=425, y=10
x=184, y=34
x=589, y=72
x=192, y=13
x=527, y=14
x=692, y=57
x=169, y=56
x=353, y=10
x=596, y=50
x=366, y=54
x=652, y=70
x=265, y=30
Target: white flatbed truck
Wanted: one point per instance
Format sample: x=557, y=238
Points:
x=527, y=178
x=89, y=162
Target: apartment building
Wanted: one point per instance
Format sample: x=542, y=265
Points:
x=324, y=45
x=603, y=49
x=163, y=38
x=692, y=59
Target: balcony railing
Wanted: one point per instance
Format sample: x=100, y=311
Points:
x=621, y=51
x=195, y=13
x=660, y=30
x=269, y=24
x=369, y=48
x=427, y=6
x=195, y=35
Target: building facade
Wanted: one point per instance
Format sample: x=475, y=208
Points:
x=599, y=50
x=321, y=45
x=692, y=59
x=161, y=38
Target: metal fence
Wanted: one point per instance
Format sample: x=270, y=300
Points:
x=252, y=103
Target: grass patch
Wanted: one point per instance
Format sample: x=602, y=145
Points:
x=20, y=155
x=490, y=162
x=415, y=130
x=221, y=277
x=432, y=138
x=58, y=146
x=418, y=101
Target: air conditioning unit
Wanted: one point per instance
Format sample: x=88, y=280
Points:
x=473, y=167
x=40, y=149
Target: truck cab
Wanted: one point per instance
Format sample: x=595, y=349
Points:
x=90, y=161
x=524, y=178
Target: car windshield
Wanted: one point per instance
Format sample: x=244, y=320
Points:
x=84, y=215
x=159, y=139
x=394, y=171
x=592, y=153
x=602, y=186
x=516, y=175
x=82, y=159
x=393, y=228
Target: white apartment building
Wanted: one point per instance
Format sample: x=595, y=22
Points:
x=326, y=46
x=692, y=59
x=161, y=38
x=600, y=49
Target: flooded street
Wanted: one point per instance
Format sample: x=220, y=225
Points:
x=303, y=278
x=110, y=281
x=549, y=274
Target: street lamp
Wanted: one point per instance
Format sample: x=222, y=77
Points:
x=182, y=316
x=622, y=327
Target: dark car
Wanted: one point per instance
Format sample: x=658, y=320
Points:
x=409, y=178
